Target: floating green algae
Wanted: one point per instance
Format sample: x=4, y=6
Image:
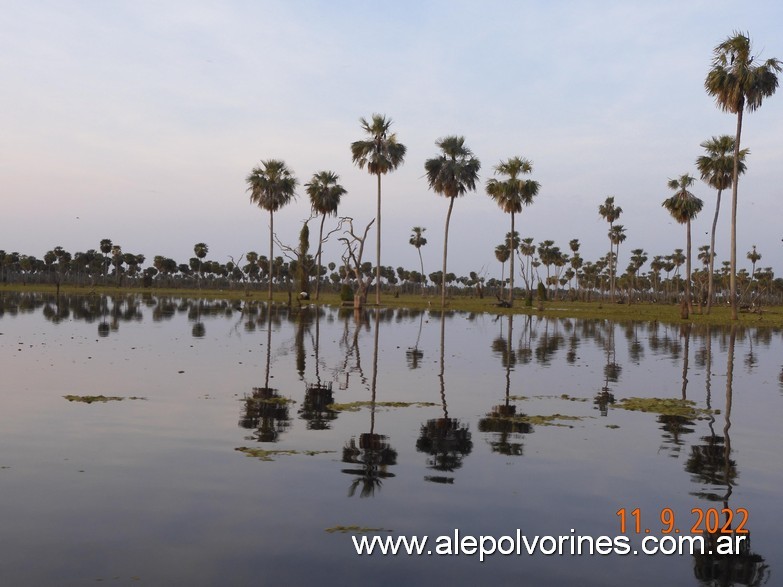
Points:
x=356, y=406
x=355, y=529
x=563, y=396
x=89, y=399
x=540, y=420
x=268, y=455
x=664, y=406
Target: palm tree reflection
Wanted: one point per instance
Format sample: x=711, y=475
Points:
x=446, y=440
x=414, y=355
x=372, y=454
x=612, y=370
x=712, y=464
x=501, y=421
x=318, y=395
x=264, y=409
x=673, y=425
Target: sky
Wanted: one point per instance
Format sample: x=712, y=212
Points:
x=139, y=121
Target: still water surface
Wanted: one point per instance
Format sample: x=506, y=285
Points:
x=495, y=425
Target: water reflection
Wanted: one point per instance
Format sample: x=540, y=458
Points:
x=446, y=440
x=612, y=369
x=265, y=410
x=318, y=397
x=675, y=426
x=372, y=453
x=315, y=355
x=414, y=355
x=711, y=464
x=502, y=423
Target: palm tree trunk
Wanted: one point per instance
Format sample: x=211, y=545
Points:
x=421, y=264
x=318, y=268
x=735, y=177
x=445, y=254
x=268, y=344
x=271, y=250
x=712, y=253
x=511, y=266
x=378, y=248
x=611, y=266
x=688, y=269
x=614, y=265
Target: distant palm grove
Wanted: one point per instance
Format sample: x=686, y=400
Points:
x=538, y=270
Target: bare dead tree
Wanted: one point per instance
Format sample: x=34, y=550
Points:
x=352, y=257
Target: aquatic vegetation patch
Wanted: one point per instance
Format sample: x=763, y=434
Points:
x=551, y=420
x=563, y=396
x=89, y=399
x=663, y=406
x=356, y=406
x=354, y=529
x=268, y=455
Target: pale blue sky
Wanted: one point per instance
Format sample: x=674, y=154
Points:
x=139, y=121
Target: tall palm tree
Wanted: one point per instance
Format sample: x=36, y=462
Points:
x=754, y=257
x=502, y=254
x=271, y=185
x=453, y=173
x=417, y=240
x=105, y=247
x=616, y=237
x=511, y=194
x=737, y=84
x=684, y=206
x=717, y=169
x=325, y=194
x=200, y=250
x=380, y=154
x=638, y=258
x=528, y=249
x=609, y=212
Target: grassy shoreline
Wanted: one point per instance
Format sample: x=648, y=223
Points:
x=646, y=312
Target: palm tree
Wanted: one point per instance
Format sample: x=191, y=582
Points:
x=105, y=247
x=616, y=236
x=272, y=186
x=684, y=206
x=380, y=153
x=200, y=250
x=717, y=168
x=453, y=173
x=737, y=85
x=638, y=258
x=502, y=254
x=610, y=213
x=754, y=257
x=417, y=240
x=511, y=194
x=527, y=249
x=325, y=194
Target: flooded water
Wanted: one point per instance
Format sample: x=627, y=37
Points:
x=238, y=445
